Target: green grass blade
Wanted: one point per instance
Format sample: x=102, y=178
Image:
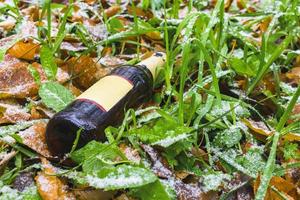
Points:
x=183, y=73
x=61, y=31
x=213, y=72
x=268, y=172
x=267, y=65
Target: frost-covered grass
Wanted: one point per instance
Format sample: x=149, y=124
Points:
x=221, y=107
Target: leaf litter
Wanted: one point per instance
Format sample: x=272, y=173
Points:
x=223, y=122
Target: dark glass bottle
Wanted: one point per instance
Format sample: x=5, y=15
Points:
x=102, y=105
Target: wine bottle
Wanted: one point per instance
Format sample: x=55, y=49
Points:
x=102, y=105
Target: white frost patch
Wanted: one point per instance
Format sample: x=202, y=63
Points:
x=113, y=181
x=8, y=139
x=225, y=107
x=171, y=140
x=242, y=126
x=45, y=184
x=7, y=192
x=213, y=181
x=123, y=176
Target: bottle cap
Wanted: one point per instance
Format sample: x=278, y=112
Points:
x=154, y=63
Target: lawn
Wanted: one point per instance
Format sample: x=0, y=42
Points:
x=222, y=120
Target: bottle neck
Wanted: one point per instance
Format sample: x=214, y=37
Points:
x=154, y=63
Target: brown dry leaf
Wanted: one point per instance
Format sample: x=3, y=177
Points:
x=139, y=12
x=265, y=24
x=294, y=75
x=15, y=79
x=23, y=180
x=85, y=71
x=199, y=153
x=90, y=2
x=75, y=91
x=7, y=42
x=190, y=191
x=111, y=11
x=35, y=138
x=262, y=131
x=17, y=82
x=49, y=186
x=184, y=191
x=283, y=186
x=35, y=114
x=8, y=24
x=5, y=158
x=69, y=46
x=12, y=112
x=159, y=166
x=130, y=153
x=111, y=61
x=293, y=174
x=24, y=50
x=181, y=174
x=240, y=3
x=228, y=5
x=257, y=127
x=44, y=111
x=98, y=31
x=32, y=12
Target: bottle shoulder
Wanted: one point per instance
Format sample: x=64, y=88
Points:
x=135, y=74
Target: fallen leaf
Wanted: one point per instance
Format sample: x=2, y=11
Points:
x=111, y=61
x=241, y=4
x=29, y=29
x=5, y=158
x=49, y=186
x=74, y=90
x=294, y=75
x=139, y=12
x=35, y=138
x=55, y=96
x=85, y=70
x=8, y=24
x=69, y=46
x=12, y=112
x=23, y=180
x=24, y=50
x=228, y=5
x=35, y=114
x=280, y=184
x=98, y=32
x=130, y=153
x=32, y=12
x=265, y=24
x=5, y=44
x=262, y=131
x=16, y=80
x=183, y=190
x=293, y=174
x=111, y=11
